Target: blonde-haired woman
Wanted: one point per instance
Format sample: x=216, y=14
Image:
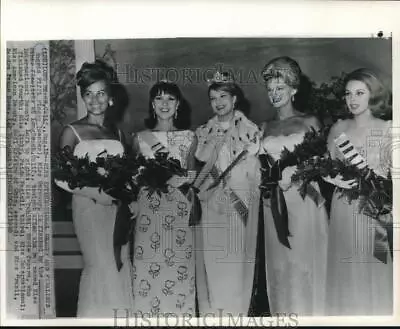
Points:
x=295, y=239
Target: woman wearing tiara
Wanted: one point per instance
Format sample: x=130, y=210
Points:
x=295, y=239
x=360, y=282
x=103, y=287
x=229, y=192
x=164, y=268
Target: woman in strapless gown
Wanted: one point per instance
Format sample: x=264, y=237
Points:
x=104, y=291
x=296, y=267
x=360, y=280
x=164, y=267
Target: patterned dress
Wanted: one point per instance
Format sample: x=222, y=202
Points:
x=163, y=275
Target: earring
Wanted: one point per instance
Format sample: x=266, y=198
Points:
x=154, y=114
x=292, y=98
x=110, y=102
x=176, y=115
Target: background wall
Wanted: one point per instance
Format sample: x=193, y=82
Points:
x=189, y=62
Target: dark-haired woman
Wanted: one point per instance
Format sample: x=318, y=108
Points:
x=164, y=277
x=102, y=287
x=228, y=143
x=296, y=240
x=360, y=265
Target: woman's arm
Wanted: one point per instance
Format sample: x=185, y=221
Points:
x=334, y=132
x=386, y=160
x=191, y=159
x=191, y=164
x=135, y=143
x=123, y=138
x=88, y=192
x=68, y=138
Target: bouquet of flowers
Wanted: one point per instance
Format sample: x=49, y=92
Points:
x=313, y=144
x=278, y=157
x=374, y=192
x=122, y=176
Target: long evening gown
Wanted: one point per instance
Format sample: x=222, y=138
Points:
x=164, y=272
x=102, y=288
x=296, y=277
x=358, y=283
x=228, y=241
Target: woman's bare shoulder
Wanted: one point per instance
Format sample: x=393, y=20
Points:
x=309, y=120
x=339, y=127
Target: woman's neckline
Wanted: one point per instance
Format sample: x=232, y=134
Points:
x=167, y=131
x=98, y=139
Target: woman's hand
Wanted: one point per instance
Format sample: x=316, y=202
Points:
x=88, y=192
x=339, y=182
x=286, y=180
x=134, y=209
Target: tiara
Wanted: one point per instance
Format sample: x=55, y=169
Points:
x=219, y=77
x=166, y=81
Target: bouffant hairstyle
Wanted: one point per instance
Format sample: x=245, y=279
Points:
x=380, y=96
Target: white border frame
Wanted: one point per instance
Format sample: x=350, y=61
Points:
x=87, y=19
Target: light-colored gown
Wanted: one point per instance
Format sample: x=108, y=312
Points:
x=228, y=244
x=164, y=266
x=296, y=277
x=358, y=283
x=102, y=288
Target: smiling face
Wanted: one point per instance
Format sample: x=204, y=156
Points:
x=357, y=97
x=279, y=93
x=96, y=98
x=165, y=106
x=222, y=102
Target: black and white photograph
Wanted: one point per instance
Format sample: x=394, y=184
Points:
x=200, y=177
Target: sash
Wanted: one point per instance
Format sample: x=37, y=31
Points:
x=277, y=199
x=153, y=141
x=210, y=170
x=381, y=243
x=187, y=189
x=122, y=232
x=383, y=240
x=238, y=204
x=278, y=203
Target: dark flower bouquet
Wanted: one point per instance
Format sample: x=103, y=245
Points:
x=374, y=192
x=123, y=177
x=313, y=162
x=313, y=144
x=120, y=176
